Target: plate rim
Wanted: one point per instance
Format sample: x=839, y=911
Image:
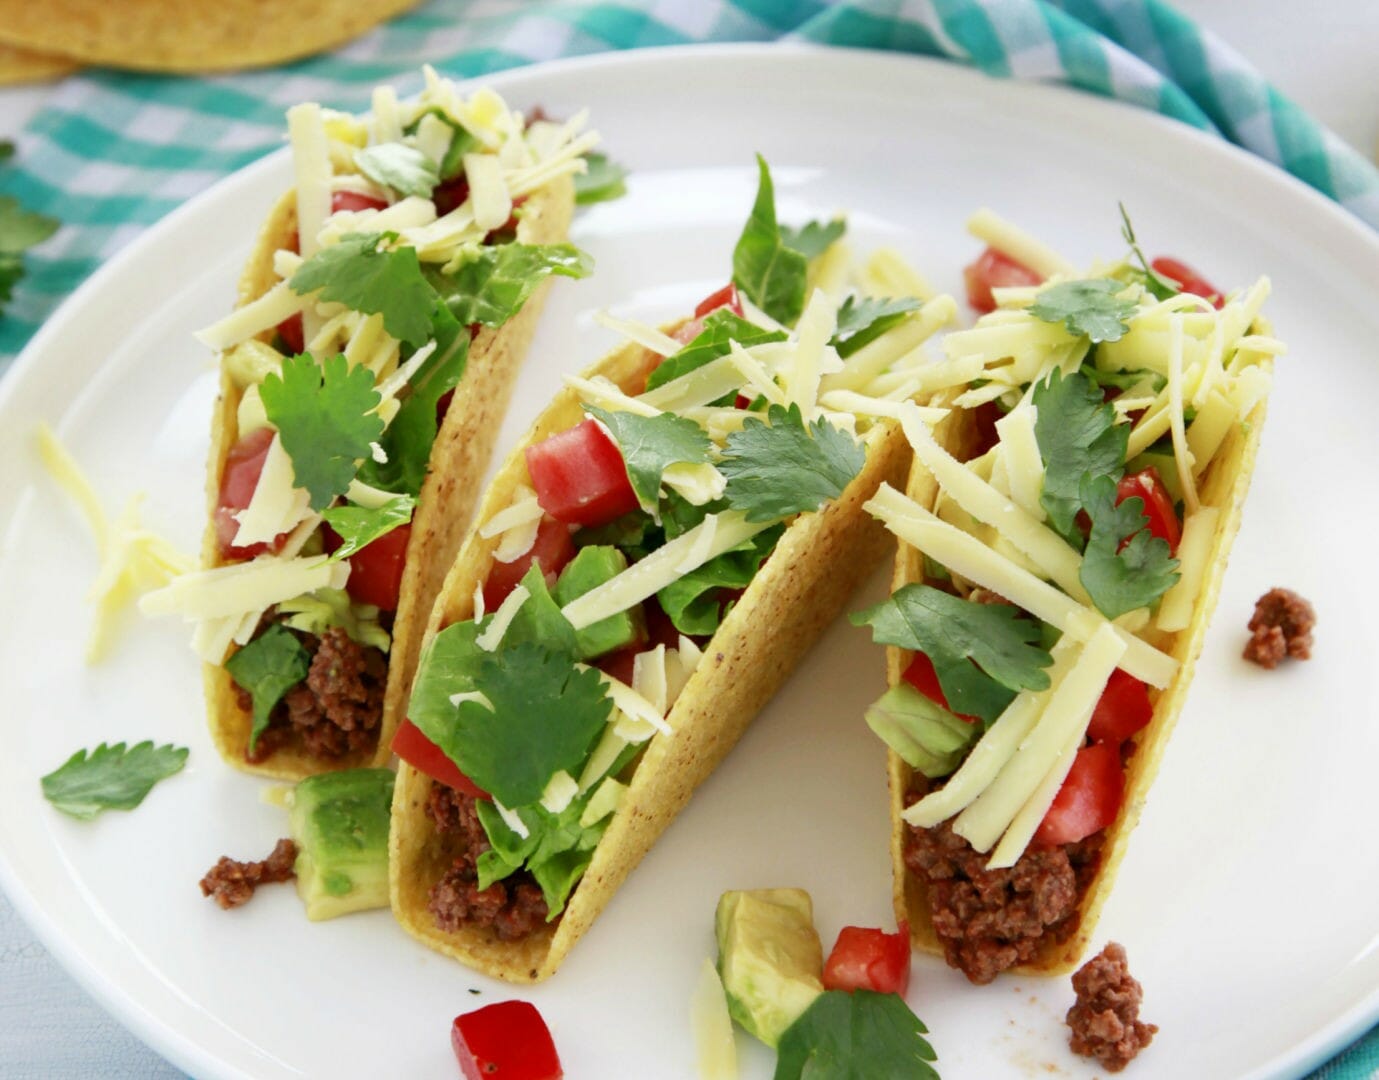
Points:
x=163, y=1036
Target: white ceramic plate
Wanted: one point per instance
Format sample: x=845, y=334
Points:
x=1247, y=899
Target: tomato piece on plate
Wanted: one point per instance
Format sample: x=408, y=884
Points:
x=376, y=569
x=425, y=756
x=1158, y=504
x=1122, y=709
x=580, y=477
x=922, y=676
x=505, y=1041
x=992, y=270
x=1089, y=799
x=725, y=297
x=290, y=330
x=869, y=959
x=238, y=479
x=1187, y=279
x=355, y=200
x=551, y=550
x=450, y=194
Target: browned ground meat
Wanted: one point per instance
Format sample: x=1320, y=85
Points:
x=1105, y=1020
x=513, y=907
x=990, y=920
x=336, y=710
x=1281, y=626
x=232, y=883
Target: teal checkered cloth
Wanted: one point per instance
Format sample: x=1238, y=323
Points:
x=112, y=153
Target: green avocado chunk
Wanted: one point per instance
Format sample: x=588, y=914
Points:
x=924, y=733
x=586, y=571
x=769, y=957
x=340, y=823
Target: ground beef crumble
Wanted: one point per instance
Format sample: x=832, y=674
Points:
x=991, y=920
x=232, y=883
x=1280, y=626
x=336, y=710
x=1105, y=1019
x=513, y=907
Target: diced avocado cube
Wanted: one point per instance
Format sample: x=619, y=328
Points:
x=770, y=958
x=588, y=570
x=924, y=733
x=340, y=823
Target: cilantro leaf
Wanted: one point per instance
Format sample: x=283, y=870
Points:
x=19, y=229
x=546, y=715
x=493, y=281
x=855, y=1035
x=861, y=321
x=771, y=273
x=325, y=420
x=1091, y=308
x=1077, y=434
x=651, y=443
x=110, y=777
x=720, y=329
x=1122, y=576
x=604, y=180
x=268, y=667
x=694, y=601
x=408, y=440
x=1160, y=287
x=360, y=526
x=356, y=273
x=954, y=634
x=814, y=237
x=403, y=168
x=783, y=468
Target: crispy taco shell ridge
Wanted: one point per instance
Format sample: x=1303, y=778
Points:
x=817, y=564
x=1224, y=485
x=464, y=445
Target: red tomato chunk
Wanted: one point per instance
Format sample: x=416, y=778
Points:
x=355, y=200
x=1089, y=799
x=580, y=477
x=376, y=569
x=290, y=330
x=551, y=550
x=240, y=477
x=992, y=270
x=1187, y=279
x=725, y=297
x=869, y=959
x=1158, y=504
x=1122, y=709
x=505, y=1041
x=922, y=676
x=425, y=756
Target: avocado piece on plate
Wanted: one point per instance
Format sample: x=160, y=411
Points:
x=340, y=823
x=589, y=569
x=770, y=958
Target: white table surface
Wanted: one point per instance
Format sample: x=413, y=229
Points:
x=1322, y=54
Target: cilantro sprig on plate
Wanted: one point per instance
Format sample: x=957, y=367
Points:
x=110, y=777
x=857, y=1035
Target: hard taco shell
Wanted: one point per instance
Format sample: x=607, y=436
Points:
x=798, y=591
x=464, y=444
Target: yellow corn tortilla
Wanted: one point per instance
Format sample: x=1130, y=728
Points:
x=464, y=444
x=24, y=66
x=1225, y=485
x=177, y=36
x=815, y=567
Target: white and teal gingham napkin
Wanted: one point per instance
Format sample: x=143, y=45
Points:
x=111, y=153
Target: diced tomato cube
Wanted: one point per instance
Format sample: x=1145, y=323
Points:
x=922, y=676
x=869, y=959
x=1158, y=504
x=992, y=270
x=376, y=569
x=425, y=756
x=621, y=663
x=551, y=550
x=1187, y=279
x=1089, y=799
x=354, y=201
x=450, y=194
x=290, y=330
x=238, y=479
x=725, y=297
x=580, y=477
x=1123, y=709
x=505, y=1041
